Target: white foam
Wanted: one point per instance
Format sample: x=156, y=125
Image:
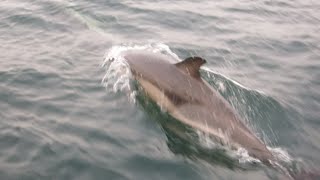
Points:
x=280, y=154
x=244, y=157
x=118, y=74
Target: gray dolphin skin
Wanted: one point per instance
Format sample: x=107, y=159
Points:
x=180, y=91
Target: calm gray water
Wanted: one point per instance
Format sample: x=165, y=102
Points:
x=58, y=120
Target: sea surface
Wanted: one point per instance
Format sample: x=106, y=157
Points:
x=69, y=108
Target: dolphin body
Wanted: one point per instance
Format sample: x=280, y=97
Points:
x=180, y=91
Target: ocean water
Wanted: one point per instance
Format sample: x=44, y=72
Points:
x=69, y=108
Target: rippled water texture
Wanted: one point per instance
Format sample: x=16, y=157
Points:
x=59, y=121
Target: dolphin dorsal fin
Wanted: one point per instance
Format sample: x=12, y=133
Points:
x=191, y=66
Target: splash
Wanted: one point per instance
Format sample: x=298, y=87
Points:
x=118, y=75
x=280, y=154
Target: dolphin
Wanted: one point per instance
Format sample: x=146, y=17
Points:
x=180, y=91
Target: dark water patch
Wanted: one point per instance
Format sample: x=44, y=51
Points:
x=78, y=168
x=263, y=113
x=282, y=4
x=157, y=169
x=252, y=10
x=42, y=92
x=10, y=138
x=18, y=151
x=50, y=8
x=18, y=101
x=52, y=109
x=112, y=4
x=218, y=29
x=285, y=48
x=263, y=61
x=105, y=141
x=23, y=77
x=35, y=22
